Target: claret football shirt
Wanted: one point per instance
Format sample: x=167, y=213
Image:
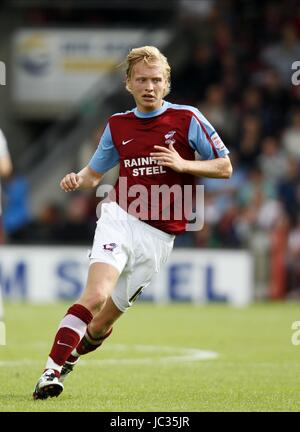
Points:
x=152, y=192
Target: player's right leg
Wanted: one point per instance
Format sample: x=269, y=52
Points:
x=102, y=278
x=109, y=257
x=153, y=249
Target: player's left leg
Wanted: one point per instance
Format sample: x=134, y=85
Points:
x=125, y=293
x=99, y=329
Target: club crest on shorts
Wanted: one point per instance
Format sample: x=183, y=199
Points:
x=109, y=247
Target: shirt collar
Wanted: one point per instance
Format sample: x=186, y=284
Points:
x=155, y=113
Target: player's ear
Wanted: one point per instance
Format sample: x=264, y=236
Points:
x=127, y=85
x=166, y=87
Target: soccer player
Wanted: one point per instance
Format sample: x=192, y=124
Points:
x=5, y=171
x=155, y=145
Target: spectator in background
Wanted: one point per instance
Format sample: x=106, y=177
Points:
x=272, y=161
x=232, y=76
x=282, y=54
x=251, y=102
x=223, y=38
x=288, y=189
x=275, y=100
x=203, y=69
x=293, y=260
x=220, y=196
x=77, y=222
x=40, y=230
x=227, y=228
x=248, y=143
x=218, y=112
x=254, y=188
x=294, y=97
x=291, y=136
x=273, y=14
x=5, y=171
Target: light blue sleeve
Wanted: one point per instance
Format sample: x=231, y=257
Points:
x=204, y=139
x=106, y=156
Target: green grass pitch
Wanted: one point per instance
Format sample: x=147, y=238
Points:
x=148, y=363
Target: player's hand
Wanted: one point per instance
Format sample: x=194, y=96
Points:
x=169, y=157
x=71, y=182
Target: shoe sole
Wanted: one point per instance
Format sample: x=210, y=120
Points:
x=52, y=390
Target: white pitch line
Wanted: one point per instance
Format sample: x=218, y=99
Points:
x=180, y=355
x=185, y=355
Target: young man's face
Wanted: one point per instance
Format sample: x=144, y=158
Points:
x=148, y=85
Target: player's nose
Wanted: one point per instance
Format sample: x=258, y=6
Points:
x=149, y=86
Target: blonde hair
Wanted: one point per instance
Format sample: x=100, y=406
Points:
x=150, y=55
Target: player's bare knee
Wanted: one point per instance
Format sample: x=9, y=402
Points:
x=94, y=300
x=100, y=322
x=101, y=299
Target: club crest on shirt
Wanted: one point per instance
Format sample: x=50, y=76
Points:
x=169, y=137
x=109, y=247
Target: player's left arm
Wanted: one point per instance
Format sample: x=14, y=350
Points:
x=215, y=168
x=204, y=140
x=5, y=159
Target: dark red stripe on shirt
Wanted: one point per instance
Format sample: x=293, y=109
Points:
x=207, y=136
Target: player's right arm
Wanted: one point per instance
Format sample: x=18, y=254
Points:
x=84, y=179
x=5, y=166
x=5, y=160
x=104, y=158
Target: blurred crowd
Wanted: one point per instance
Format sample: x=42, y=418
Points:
x=242, y=82
x=236, y=67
